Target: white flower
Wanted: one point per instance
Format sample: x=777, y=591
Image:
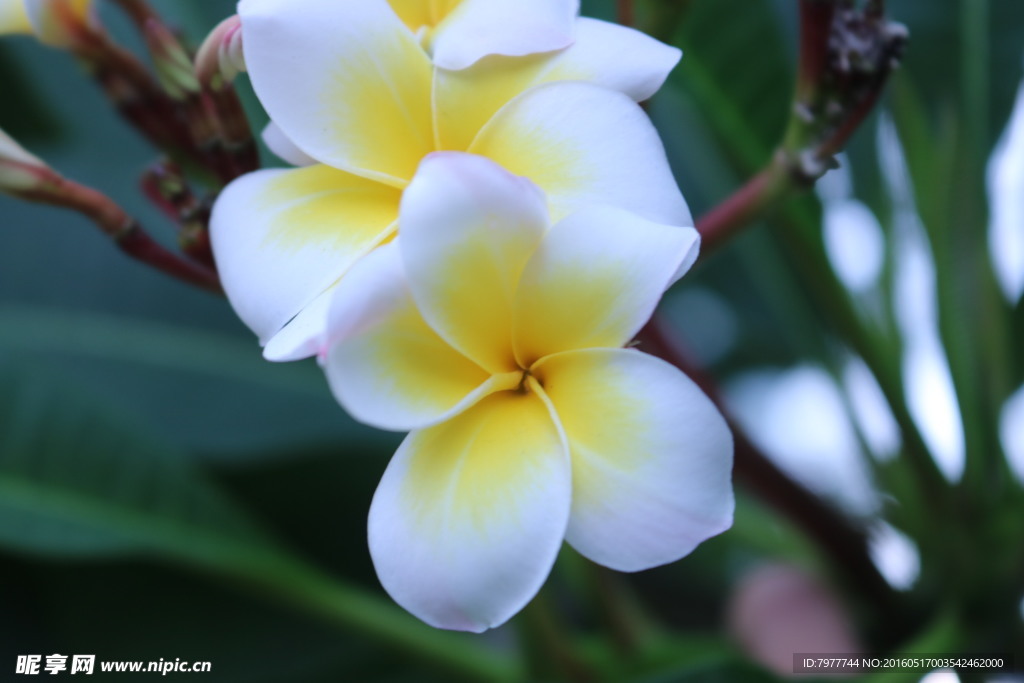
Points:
x=353, y=93
x=499, y=342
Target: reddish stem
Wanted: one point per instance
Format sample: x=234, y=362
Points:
x=123, y=229
x=816, y=18
x=139, y=11
x=837, y=142
x=235, y=128
x=627, y=13
x=137, y=95
x=723, y=221
x=150, y=185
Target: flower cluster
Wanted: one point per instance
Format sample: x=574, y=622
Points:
x=481, y=221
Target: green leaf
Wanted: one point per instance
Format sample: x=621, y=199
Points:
x=937, y=52
x=22, y=115
x=144, y=612
x=717, y=669
x=746, y=100
x=76, y=481
x=765, y=532
x=205, y=391
x=1017, y=369
x=162, y=346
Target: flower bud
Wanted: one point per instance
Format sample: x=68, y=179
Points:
x=60, y=23
x=220, y=58
x=21, y=171
x=173, y=65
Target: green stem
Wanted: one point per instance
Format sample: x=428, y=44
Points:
x=621, y=613
x=551, y=654
x=974, y=81
x=352, y=609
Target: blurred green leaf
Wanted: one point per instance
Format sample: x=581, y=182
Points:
x=942, y=635
x=717, y=669
x=1017, y=370
x=316, y=497
x=946, y=166
x=208, y=390
x=144, y=612
x=74, y=480
x=22, y=115
x=765, y=532
x=172, y=348
x=936, y=53
x=745, y=100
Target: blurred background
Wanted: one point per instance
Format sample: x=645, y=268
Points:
x=166, y=493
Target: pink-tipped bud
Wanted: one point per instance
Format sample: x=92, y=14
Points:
x=220, y=58
x=61, y=23
x=21, y=171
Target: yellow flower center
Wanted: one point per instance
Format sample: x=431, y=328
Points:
x=423, y=15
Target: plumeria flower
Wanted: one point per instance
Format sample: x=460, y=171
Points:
x=499, y=343
x=54, y=22
x=356, y=99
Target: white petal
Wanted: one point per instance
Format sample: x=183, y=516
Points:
x=468, y=228
x=13, y=18
x=284, y=148
x=345, y=80
x=470, y=514
x=305, y=335
x=616, y=57
x=651, y=457
x=477, y=28
x=584, y=146
x=19, y=168
x=384, y=364
x=281, y=237
x=595, y=280
x=608, y=55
